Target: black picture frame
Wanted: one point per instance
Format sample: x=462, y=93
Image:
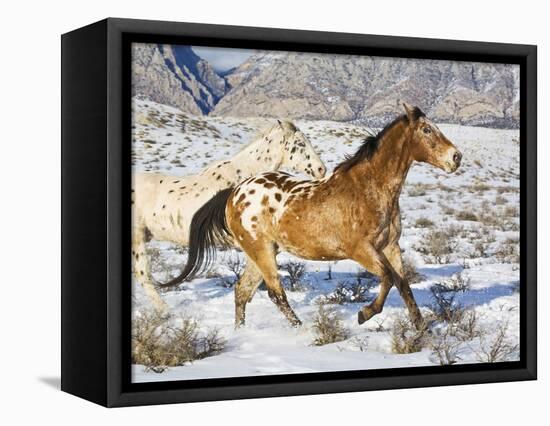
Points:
x=96, y=212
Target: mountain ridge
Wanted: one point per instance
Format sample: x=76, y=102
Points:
x=297, y=85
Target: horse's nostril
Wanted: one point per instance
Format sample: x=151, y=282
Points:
x=457, y=157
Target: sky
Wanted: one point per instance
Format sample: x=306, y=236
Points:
x=223, y=59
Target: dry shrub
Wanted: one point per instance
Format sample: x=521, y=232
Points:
x=466, y=215
x=497, y=349
x=357, y=291
x=417, y=190
x=445, y=306
x=508, y=251
x=410, y=273
x=158, y=344
x=480, y=187
x=296, y=271
x=455, y=231
x=328, y=327
x=500, y=200
x=423, y=222
x=445, y=348
x=438, y=246
x=406, y=338
x=236, y=265
x=447, y=341
x=511, y=211
x=346, y=292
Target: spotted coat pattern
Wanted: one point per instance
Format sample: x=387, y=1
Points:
x=163, y=206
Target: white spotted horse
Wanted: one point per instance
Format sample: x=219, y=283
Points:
x=163, y=205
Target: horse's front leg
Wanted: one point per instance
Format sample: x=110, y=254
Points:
x=377, y=262
x=142, y=270
x=393, y=254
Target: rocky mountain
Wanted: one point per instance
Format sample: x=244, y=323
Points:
x=295, y=85
x=371, y=89
x=176, y=76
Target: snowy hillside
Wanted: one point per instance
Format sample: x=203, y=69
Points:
x=461, y=228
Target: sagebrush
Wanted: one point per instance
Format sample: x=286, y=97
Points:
x=159, y=342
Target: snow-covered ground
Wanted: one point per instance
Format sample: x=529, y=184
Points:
x=477, y=208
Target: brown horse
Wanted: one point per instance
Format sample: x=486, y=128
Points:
x=353, y=214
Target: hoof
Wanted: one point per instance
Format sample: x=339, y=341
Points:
x=296, y=323
x=366, y=314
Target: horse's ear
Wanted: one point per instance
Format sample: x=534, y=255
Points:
x=409, y=110
x=413, y=113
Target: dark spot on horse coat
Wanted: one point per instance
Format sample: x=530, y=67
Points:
x=241, y=198
x=254, y=218
x=282, y=179
x=288, y=185
x=169, y=192
x=252, y=191
x=164, y=206
x=160, y=181
x=269, y=185
x=278, y=197
x=271, y=210
x=260, y=181
x=176, y=181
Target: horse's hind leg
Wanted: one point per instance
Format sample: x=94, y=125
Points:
x=142, y=269
x=245, y=289
x=264, y=258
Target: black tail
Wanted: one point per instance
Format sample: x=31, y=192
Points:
x=208, y=229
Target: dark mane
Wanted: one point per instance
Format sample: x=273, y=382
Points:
x=372, y=142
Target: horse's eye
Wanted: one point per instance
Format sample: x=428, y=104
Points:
x=427, y=130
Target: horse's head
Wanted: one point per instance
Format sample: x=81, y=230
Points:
x=428, y=144
x=297, y=153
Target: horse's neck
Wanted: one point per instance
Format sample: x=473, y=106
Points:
x=260, y=156
x=389, y=165
x=252, y=160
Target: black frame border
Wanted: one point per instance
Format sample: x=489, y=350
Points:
x=119, y=391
